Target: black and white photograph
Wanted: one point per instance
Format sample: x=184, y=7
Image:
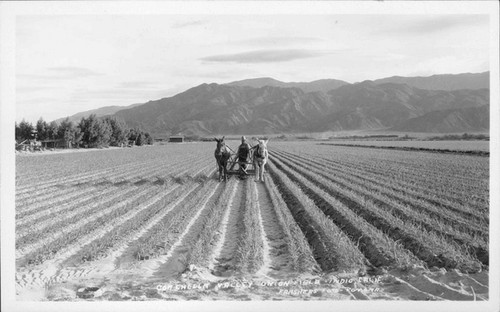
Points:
x=250, y=155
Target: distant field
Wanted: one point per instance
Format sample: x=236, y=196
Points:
x=129, y=219
x=444, y=145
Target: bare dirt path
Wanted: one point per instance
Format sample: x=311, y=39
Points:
x=276, y=258
x=224, y=264
x=120, y=258
x=174, y=261
x=47, y=271
x=223, y=229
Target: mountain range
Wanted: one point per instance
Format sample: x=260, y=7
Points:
x=443, y=82
x=440, y=103
x=323, y=85
x=99, y=112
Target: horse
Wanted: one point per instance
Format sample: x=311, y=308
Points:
x=222, y=156
x=260, y=156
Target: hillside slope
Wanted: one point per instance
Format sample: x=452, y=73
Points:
x=99, y=112
x=212, y=109
x=447, y=82
x=323, y=85
x=469, y=119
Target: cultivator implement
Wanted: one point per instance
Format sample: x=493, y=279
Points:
x=236, y=167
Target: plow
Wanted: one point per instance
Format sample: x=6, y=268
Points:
x=241, y=168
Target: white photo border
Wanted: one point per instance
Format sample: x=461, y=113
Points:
x=9, y=11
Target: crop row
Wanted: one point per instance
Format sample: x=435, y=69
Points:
x=457, y=146
x=33, y=202
x=124, y=175
x=463, y=191
x=26, y=189
x=68, y=197
x=46, y=248
x=45, y=210
x=88, y=163
x=445, y=171
x=119, y=235
x=331, y=247
x=208, y=236
x=459, y=168
x=422, y=172
x=99, y=161
x=250, y=253
x=302, y=259
x=222, y=259
x=164, y=235
x=466, y=168
x=397, y=183
x=394, y=187
x=31, y=239
x=99, y=165
x=181, y=236
x=429, y=220
x=419, y=149
x=454, y=221
x=372, y=243
x=57, y=218
x=427, y=246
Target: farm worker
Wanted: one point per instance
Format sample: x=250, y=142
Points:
x=243, y=153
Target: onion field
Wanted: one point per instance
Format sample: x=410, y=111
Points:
x=452, y=146
x=114, y=224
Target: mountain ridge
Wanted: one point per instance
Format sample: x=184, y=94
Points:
x=312, y=86
x=253, y=107
x=99, y=112
x=212, y=108
x=447, y=82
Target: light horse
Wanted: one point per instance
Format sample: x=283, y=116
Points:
x=222, y=155
x=260, y=156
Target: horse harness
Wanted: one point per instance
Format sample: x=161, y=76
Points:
x=222, y=150
x=259, y=154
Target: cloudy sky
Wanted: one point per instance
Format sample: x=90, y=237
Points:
x=73, y=63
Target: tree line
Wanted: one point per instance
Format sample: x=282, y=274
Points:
x=89, y=132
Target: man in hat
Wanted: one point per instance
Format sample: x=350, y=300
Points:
x=243, y=153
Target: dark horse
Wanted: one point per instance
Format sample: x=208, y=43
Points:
x=222, y=155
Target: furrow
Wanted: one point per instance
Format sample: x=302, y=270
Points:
x=435, y=251
x=162, y=261
x=385, y=186
x=76, y=211
x=30, y=252
x=406, y=207
x=332, y=248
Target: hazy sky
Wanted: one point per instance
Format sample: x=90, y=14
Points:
x=73, y=63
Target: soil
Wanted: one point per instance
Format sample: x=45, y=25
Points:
x=120, y=277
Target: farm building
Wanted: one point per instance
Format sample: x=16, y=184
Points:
x=54, y=144
x=176, y=138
